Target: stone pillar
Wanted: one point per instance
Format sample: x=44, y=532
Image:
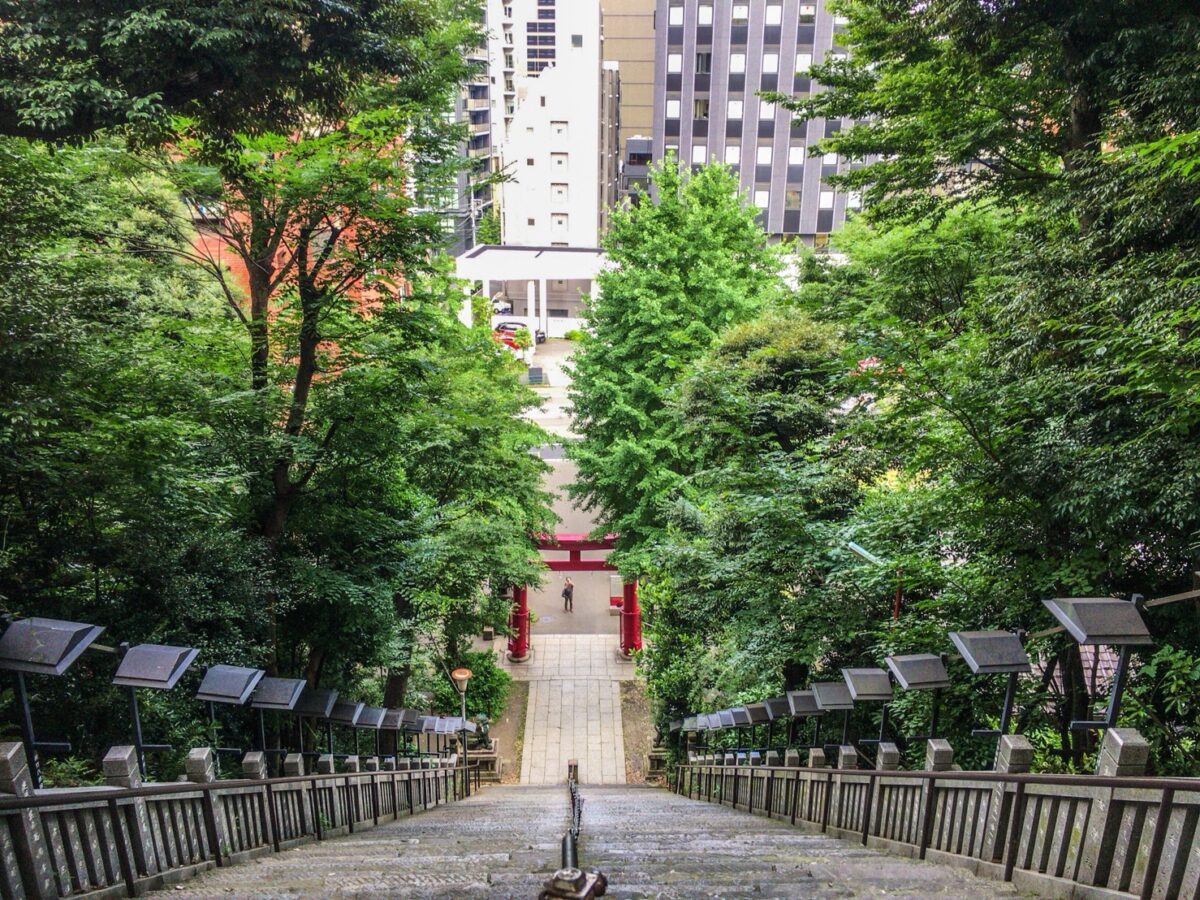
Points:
x=887, y=757
x=531, y=309
x=32, y=855
x=631, y=620
x=1014, y=755
x=201, y=765
x=387, y=764
x=293, y=764
x=351, y=764
x=325, y=764
x=371, y=764
x=1123, y=753
x=816, y=758
x=939, y=755
x=847, y=757
x=254, y=765
x=792, y=759
x=120, y=767
x=774, y=758
x=730, y=759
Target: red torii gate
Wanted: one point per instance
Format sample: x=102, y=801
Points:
x=575, y=544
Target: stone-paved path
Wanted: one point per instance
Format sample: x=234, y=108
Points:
x=574, y=710
x=504, y=842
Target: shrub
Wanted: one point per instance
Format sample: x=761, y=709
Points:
x=574, y=335
x=487, y=692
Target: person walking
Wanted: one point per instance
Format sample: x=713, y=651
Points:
x=568, y=595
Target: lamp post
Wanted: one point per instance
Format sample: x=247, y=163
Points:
x=461, y=677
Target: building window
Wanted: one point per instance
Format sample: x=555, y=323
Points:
x=675, y=16
x=803, y=63
x=825, y=200
x=741, y=13
x=808, y=13
x=733, y=154
x=558, y=161
x=840, y=20
x=761, y=199
x=543, y=99
x=558, y=221
x=795, y=156
x=854, y=200
x=704, y=14
x=791, y=199
x=577, y=40
x=558, y=129
x=558, y=192
x=774, y=13
x=672, y=109
x=545, y=13
x=699, y=154
x=508, y=12
x=703, y=63
x=529, y=161
x=700, y=109
x=737, y=63
x=671, y=149
x=531, y=221
x=734, y=109
x=829, y=159
x=770, y=63
x=762, y=156
x=674, y=63
x=766, y=111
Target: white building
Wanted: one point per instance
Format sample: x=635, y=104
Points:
x=550, y=106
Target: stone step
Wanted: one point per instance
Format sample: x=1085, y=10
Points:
x=505, y=841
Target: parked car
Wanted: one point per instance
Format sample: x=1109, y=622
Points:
x=539, y=336
x=501, y=307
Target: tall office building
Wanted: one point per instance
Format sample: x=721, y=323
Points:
x=553, y=110
x=629, y=42
x=472, y=199
x=712, y=58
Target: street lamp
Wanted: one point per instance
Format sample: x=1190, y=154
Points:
x=461, y=677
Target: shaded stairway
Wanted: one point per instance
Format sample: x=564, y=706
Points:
x=504, y=842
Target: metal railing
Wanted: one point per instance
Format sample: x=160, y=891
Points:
x=571, y=881
x=131, y=840
x=1133, y=836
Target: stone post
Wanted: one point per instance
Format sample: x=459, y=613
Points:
x=293, y=765
x=816, y=758
x=34, y=868
x=1014, y=755
x=254, y=765
x=387, y=764
x=847, y=757
x=371, y=764
x=939, y=755
x=774, y=757
x=120, y=767
x=1123, y=753
x=351, y=764
x=792, y=759
x=887, y=757
x=201, y=768
x=201, y=765
x=325, y=764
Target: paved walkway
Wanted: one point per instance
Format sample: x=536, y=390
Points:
x=574, y=709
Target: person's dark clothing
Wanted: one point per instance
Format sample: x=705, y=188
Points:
x=568, y=595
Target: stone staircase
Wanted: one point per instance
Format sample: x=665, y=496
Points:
x=504, y=842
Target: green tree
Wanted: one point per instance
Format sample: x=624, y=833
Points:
x=685, y=265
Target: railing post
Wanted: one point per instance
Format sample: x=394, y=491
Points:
x=201, y=768
x=1162, y=822
x=867, y=807
x=121, y=770
x=120, y=839
x=1013, y=842
x=928, y=807
x=1014, y=756
x=33, y=852
x=1123, y=751
x=351, y=803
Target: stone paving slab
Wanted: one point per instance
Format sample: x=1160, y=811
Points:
x=570, y=656
x=574, y=718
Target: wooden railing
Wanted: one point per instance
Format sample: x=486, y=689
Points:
x=1046, y=833
x=122, y=842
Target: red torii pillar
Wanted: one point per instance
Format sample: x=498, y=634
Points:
x=574, y=545
x=518, y=623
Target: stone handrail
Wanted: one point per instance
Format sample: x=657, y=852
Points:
x=1049, y=834
x=126, y=839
